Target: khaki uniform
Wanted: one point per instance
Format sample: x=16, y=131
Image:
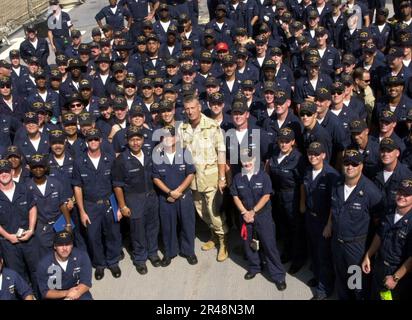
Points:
x=205, y=142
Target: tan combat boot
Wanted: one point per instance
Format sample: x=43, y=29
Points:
x=210, y=244
x=223, y=253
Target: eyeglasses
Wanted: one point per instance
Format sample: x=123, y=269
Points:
x=305, y=114
x=334, y=93
x=313, y=154
x=76, y=105
x=5, y=85
x=353, y=164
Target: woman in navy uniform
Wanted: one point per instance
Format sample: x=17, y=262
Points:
x=65, y=273
x=172, y=174
x=315, y=203
x=49, y=196
x=92, y=183
x=137, y=199
x=286, y=167
x=251, y=190
x=392, y=248
x=12, y=285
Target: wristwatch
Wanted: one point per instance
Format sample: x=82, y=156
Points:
x=395, y=278
x=222, y=178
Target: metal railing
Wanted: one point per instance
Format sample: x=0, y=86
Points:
x=14, y=13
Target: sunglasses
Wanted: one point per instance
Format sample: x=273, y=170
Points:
x=305, y=114
x=94, y=139
x=350, y=163
x=337, y=93
x=76, y=105
x=5, y=85
x=313, y=154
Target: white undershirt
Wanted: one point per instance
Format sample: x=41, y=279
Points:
x=381, y=27
x=34, y=43
x=62, y=264
x=187, y=34
x=114, y=12
x=95, y=161
x=1, y=281
x=165, y=25
x=280, y=123
x=315, y=173
x=321, y=52
x=270, y=111
x=35, y=143
x=230, y=84
x=406, y=63
x=219, y=25
x=314, y=83
x=320, y=120
x=10, y=193
x=337, y=112
x=140, y=158
x=235, y=5
x=249, y=175
x=240, y=134
x=260, y=60
x=43, y=96
x=17, y=71
x=9, y=104
x=169, y=156
x=59, y=161
x=387, y=175
x=312, y=33
x=75, y=84
x=42, y=187
x=335, y=18
x=347, y=191
x=32, y=79
x=281, y=156
x=397, y=217
x=104, y=78
x=170, y=49
x=17, y=179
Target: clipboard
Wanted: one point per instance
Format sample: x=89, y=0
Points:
x=115, y=206
x=61, y=222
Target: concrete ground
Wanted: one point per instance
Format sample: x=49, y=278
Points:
x=209, y=279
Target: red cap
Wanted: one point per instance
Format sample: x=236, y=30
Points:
x=222, y=46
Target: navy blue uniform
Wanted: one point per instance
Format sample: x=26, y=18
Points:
x=27, y=149
x=51, y=97
x=318, y=201
x=97, y=188
x=286, y=179
x=41, y=51
x=319, y=134
x=13, y=287
x=250, y=192
x=115, y=20
x=48, y=211
x=61, y=35
x=350, y=225
x=120, y=142
x=395, y=248
x=182, y=210
x=136, y=181
x=78, y=271
x=390, y=187
x=8, y=128
x=14, y=215
x=304, y=88
x=371, y=157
